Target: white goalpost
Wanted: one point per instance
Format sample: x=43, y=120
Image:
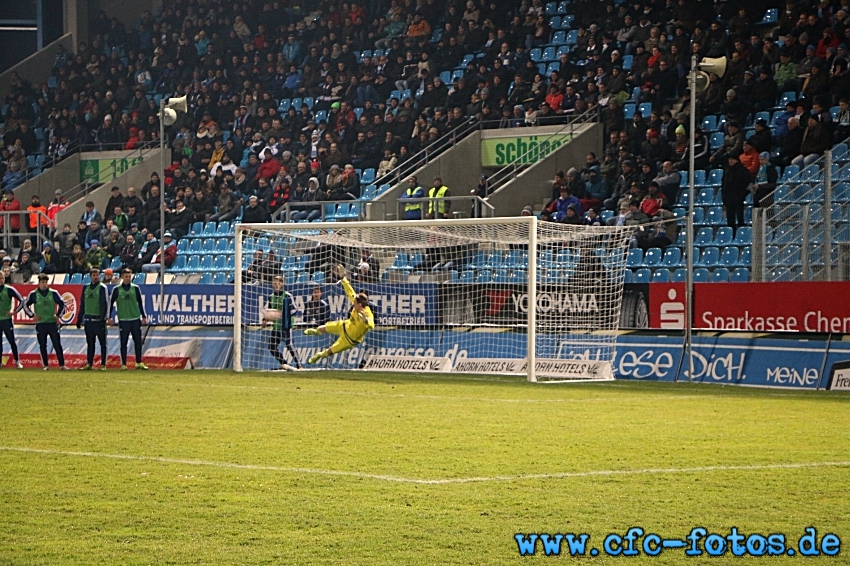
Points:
x=490, y=296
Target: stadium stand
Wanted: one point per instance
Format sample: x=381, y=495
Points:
x=305, y=112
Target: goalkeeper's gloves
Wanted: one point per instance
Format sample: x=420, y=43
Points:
x=363, y=317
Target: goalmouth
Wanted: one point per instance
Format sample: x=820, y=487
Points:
x=510, y=296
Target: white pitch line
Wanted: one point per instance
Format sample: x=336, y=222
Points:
x=446, y=481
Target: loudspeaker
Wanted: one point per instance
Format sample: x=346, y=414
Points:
x=702, y=81
x=169, y=116
x=180, y=103
x=714, y=65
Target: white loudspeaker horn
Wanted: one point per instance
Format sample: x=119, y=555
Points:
x=714, y=65
x=169, y=116
x=180, y=103
x=702, y=81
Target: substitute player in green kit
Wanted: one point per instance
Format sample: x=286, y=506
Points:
x=48, y=308
x=7, y=326
x=131, y=314
x=93, y=314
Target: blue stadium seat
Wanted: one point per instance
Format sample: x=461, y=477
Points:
x=500, y=276
x=723, y=237
x=709, y=124
x=179, y=263
x=206, y=263
x=645, y=109
x=220, y=278
x=715, y=178
x=76, y=279
x=661, y=275
x=629, y=276
x=555, y=22
x=572, y=37
x=206, y=279
x=209, y=229
x=536, y=55
x=466, y=276
x=551, y=8
x=183, y=246
x=643, y=275
x=549, y=54
x=635, y=258
x=223, y=229
x=705, y=197
x=720, y=275
x=710, y=257
x=627, y=62
x=705, y=237
x=701, y=275
x=680, y=275
x=672, y=257
x=716, y=141
x=223, y=245
x=139, y=279
x=729, y=256
x=559, y=38
x=303, y=277
x=318, y=277
x=653, y=257
x=193, y=265
x=400, y=261
x=714, y=216
x=740, y=275
x=208, y=245
x=744, y=236
x=628, y=111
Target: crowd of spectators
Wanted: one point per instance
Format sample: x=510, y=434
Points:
x=238, y=147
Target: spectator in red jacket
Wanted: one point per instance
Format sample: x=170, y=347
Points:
x=170, y=255
x=270, y=166
x=11, y=204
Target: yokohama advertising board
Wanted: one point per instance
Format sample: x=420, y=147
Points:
x=754, y=307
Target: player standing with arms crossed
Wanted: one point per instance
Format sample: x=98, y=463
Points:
x=47, y=312
x=281, y=301
x=351, y=331
x=131, y=314
x=7, y=325
x=93, y=313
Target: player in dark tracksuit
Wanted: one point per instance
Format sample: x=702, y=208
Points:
x=281, y=301
x=48, y=308
x=7, y=326
x=93, y=312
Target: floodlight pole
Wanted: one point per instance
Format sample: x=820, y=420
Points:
x=689, y=230
x=161, y=205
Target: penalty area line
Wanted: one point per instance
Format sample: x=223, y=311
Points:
x=445, y=481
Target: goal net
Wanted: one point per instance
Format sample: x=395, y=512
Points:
x=447, y=296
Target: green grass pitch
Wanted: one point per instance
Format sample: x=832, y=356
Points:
x=370, y=469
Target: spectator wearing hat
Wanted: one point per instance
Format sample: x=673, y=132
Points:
x=96, y=256
x=57, y=205
x=816, y=140
x=764, y=92
x=115, y=199
x=114, y=242
x=170, y=253
x=627, y=177
x=38, y=221
x=179, y=219
x=736, y=180
x=750, y=157
x=732, y=143
x=596, y=189
x=108, y=135
x=255, y=212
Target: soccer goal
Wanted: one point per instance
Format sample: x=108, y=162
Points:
x=447, y=295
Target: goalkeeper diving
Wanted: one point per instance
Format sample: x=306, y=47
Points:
x=351, y=331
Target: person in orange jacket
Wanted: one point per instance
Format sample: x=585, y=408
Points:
x=38, y=216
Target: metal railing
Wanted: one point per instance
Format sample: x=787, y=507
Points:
x=801, y=231
x=284, y=214
x=539, y=151
x=14, y=239
x=478, y=207
x=452, y=138
x=117, y=167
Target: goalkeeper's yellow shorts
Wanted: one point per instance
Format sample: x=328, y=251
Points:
x=337, y=327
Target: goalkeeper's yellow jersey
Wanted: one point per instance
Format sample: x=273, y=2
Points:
x=358, y=324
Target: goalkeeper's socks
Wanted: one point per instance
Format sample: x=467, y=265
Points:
x=311, y=332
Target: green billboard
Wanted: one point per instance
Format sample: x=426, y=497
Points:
x=497, y=152
x=104, y=170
